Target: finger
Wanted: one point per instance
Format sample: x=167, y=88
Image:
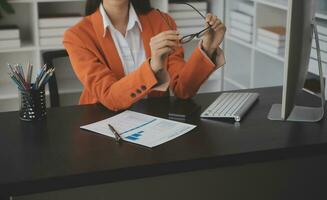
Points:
x=215, y=25
x=209, y=18
x=219, y=21
x=172, y=38
x=214, y=19
x=167, y=37
x=211, y=22
x=165, y=50
x=162, y=51
x=166, y=43
x=215, y=22
x=160, y=38
x=165, y=33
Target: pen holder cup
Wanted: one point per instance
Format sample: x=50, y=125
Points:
x=32, y=105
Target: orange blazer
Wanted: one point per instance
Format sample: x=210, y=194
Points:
x=97, y=64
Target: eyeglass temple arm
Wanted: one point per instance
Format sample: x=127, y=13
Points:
x=193, y=9
x=204, y=30
x=196, y=11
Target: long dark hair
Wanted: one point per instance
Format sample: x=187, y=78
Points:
x=141, y=6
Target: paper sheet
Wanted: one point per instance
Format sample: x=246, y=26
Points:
x=141, y=129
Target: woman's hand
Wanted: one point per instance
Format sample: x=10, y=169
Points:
x=161, y=46
x=214, y=37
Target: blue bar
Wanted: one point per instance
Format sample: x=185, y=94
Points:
x=132, y=138
x=136, y=135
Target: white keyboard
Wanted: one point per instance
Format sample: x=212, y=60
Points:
x=230, y=105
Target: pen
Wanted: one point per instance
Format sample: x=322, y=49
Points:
x=45, y=74
x=23, y=80
x=47, y=78
x=117, y=136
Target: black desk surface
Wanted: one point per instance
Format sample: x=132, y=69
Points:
x=57, y=154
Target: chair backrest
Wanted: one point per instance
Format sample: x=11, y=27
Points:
x=48, y=59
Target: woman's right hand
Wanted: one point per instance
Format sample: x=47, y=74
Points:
x=161, y=46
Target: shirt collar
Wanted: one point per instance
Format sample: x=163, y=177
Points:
x=132, y=19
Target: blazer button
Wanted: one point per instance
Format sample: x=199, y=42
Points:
x=133, y=95
x=143, y=87
x=138, y=91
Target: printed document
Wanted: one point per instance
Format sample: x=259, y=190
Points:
x=140, y=128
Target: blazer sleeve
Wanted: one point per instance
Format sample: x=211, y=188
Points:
x=186, y=77
x=98, y=78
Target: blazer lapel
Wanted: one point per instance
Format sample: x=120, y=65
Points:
x=107, y=45
x=146, y=34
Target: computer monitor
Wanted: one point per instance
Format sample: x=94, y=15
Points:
x=300, y=29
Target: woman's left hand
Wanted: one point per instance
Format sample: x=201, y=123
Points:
x=214, y=36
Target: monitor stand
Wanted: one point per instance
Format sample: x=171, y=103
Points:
x=298, y=114
x=301, y=113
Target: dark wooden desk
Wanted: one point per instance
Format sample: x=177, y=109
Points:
x=56, y=154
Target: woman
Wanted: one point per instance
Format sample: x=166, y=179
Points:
x=124, y=50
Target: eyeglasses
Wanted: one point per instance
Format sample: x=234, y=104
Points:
x=190, y=37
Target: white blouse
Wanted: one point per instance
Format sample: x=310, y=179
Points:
x=129, y=46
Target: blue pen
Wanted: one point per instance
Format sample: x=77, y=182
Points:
x=46, y=77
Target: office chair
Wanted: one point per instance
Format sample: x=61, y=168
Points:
x=48, y=59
